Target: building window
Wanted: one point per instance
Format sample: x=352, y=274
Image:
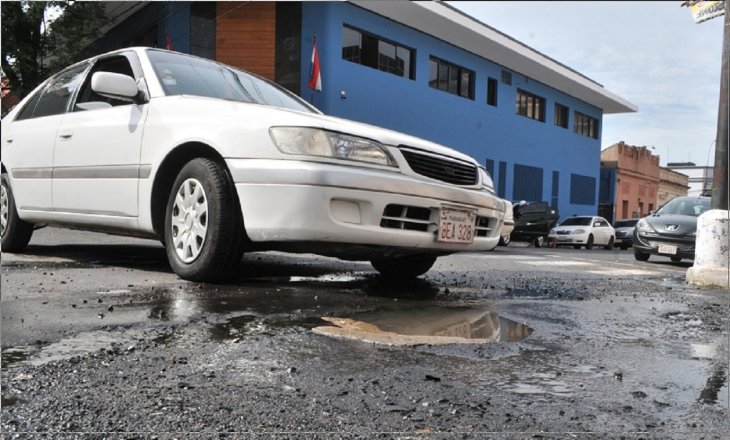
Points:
x=531, y=106
x=585, y=125
x=369, y=50
x=507, y=77
x=492, y=91
x=450, y=78
x=561, y=115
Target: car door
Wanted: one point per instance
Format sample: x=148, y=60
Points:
x=29, y=140
x=96, y=157
x=601, y=230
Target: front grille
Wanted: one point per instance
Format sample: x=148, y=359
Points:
x=414, y=218
x=441, y=168
x=562, y=232
x=411, y=218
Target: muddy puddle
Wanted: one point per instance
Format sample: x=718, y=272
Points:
x=426, y=325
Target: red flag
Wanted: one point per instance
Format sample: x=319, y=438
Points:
x=168, y=42
x=315, y=77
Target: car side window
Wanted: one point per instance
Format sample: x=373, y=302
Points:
x=90, y=100
x=27, y=111
x=54, y=99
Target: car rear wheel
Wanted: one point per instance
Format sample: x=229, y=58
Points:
x=15, y=232
x=609, y=246
x=589, y=242
x=203, y=225
x=539, y=241
x=640, y=256
x=403, y=267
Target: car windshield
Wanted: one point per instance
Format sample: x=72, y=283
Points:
x=625, y=223
x=186, y=75
x=577, y=221
x=693, y=206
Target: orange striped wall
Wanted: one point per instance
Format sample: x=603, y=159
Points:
x=246, y=36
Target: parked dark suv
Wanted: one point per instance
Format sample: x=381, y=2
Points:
x=533, y=221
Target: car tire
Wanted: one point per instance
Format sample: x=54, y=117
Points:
x=505, y=240
x=676, y=259
x=589, y=242
x=403, y=267
x=609, y=246
x=640, y=256
x=204, y=231
x=539, y=241
x=15, y=232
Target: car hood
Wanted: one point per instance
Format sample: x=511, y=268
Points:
x=287, y=117
x=672, y=224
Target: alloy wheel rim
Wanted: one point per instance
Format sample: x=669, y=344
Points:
x=189, y=220
x=4, y=210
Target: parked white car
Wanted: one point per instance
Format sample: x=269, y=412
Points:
x=214, y=161
x=584, y=231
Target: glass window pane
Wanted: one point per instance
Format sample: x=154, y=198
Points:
x=453, y=80
x=403, y=63
x=433, y=73
x=55, y=98
x=351, y=45
x=465, y=85
x=386, y=57
x=443, y=77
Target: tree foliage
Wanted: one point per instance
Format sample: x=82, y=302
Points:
x=32, y=49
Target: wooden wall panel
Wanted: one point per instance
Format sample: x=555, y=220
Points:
x=246, y=36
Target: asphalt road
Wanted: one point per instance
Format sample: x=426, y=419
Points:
x=99, y=337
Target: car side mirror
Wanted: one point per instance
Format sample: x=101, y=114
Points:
x=115, y=85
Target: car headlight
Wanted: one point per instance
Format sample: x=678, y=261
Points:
x=324, y=143
x=579, y=231
x=643, y=225
x=487, y=182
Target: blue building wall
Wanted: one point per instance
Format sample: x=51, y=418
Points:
x=486, y=132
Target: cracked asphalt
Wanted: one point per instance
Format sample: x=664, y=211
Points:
x=101, y=340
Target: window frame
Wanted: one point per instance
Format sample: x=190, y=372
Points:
x=445, y=85
x=585, y=125
x=409, y=70
x=561, y=110
x=83, y=68
x=492, y=91
x=530, y=105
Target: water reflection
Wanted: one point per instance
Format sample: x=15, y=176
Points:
x=429, y=325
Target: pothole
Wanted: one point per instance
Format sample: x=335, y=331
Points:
x=429, y=325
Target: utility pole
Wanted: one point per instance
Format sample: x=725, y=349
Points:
x=720, y=179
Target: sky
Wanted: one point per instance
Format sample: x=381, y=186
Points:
x=651, y=54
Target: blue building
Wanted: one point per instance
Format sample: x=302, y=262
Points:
x=423, y=68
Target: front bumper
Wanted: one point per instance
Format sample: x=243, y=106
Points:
x=569, y=238
x=649, y=243
x=312, y=202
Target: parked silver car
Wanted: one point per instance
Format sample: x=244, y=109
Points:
x=214, y=161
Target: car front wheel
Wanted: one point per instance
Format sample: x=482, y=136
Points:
x=609, y=246
x=589, y=242
x=203, y=225
x=539, y=241
x=403, y=267
x=640, y=256
x=15, y=232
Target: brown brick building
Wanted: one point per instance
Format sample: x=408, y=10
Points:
x=635, y=174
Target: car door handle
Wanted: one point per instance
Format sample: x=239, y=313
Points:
x=9, y=140
x=66, y=135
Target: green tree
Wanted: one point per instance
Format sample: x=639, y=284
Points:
x=32, y=48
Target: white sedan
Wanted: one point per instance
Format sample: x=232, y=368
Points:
x=214, y=161
x=584, y=231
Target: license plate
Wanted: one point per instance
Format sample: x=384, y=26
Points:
x=456, y=226
x=668, y=249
